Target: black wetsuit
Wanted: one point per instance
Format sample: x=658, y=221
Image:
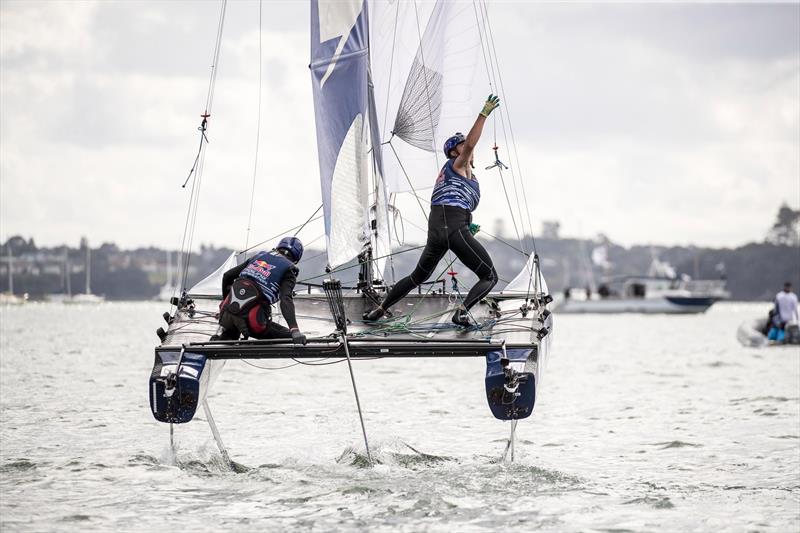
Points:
x=448, y=228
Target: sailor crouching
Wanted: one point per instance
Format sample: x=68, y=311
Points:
x=250, y=289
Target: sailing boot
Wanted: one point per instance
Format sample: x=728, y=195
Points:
x=375, y=314
x=461, y=318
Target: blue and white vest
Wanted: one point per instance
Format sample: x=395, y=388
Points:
x=267, y=269
x=453, y=189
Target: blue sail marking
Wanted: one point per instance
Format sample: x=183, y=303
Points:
x=339, y=74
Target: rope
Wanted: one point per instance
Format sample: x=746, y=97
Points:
x=413, y=191
x=511, y=130
x=258, y=128
x=290, y=230
x=492, y=58
x=537, y=270
x=296, y=233
x=391, y=68
x=342, y=268
x=197, y=168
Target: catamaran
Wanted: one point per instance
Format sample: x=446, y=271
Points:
x=391, y=80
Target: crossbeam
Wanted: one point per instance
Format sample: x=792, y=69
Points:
x=360, y=348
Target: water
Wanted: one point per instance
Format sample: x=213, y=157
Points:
x=645, y=423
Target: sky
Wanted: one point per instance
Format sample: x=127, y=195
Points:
x=650, y=123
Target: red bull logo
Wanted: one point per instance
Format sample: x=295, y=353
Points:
x=262, y=266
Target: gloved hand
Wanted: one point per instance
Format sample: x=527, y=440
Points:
x=474, y=228
x=492, y=103
x=298, y=338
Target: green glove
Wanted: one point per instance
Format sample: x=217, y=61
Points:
x=474, y=228
x=492, y=103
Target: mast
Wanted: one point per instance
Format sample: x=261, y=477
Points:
x=67, y=281
x=169, y=269
x=10, y=267
x=88, y=269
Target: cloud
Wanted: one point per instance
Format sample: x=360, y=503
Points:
x=650, y=123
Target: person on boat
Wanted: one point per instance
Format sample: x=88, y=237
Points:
x=786, y=312
x=456, y=194
x=250, y=289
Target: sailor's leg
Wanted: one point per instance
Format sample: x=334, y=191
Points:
x=475, y=257
x=430, y=257
x=277, y=331
x=261, y=325
x=229, y=331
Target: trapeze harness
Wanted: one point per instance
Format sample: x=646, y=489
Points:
x=246, y=308
x=452, y=202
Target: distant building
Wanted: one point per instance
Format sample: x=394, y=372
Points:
x=550, y=229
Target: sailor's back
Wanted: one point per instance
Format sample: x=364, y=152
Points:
x=786, y=303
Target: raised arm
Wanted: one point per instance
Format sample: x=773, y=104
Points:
x=462, y=161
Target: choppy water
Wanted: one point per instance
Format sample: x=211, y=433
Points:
x=645, y=423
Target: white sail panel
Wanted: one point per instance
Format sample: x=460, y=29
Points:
x=211, y=285
x=424, y=59
x=526, y=281
x=349, y=194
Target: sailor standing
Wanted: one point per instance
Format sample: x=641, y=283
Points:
x=456, y=194
x=786, y=307
x=250, y=289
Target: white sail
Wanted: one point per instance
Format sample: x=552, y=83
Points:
x=424, y=59
x=211, y=285
x=528, y=281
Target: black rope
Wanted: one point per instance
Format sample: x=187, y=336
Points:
x=358, y=265
x=202, y=129
x=307, y=221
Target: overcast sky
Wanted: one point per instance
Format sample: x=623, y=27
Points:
x=651, y=123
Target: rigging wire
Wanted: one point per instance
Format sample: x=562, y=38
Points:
x=358, y=265
x=511, y=129
x=194, y=196
x=413, y=190
x=493, y=60
x=537, y=270
x=391, y=68
x=491, y=66
x=258, y=126
x=296, y=233
x=290, y=230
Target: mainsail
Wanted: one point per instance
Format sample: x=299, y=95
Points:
x=391, y=80
x=339, y=72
